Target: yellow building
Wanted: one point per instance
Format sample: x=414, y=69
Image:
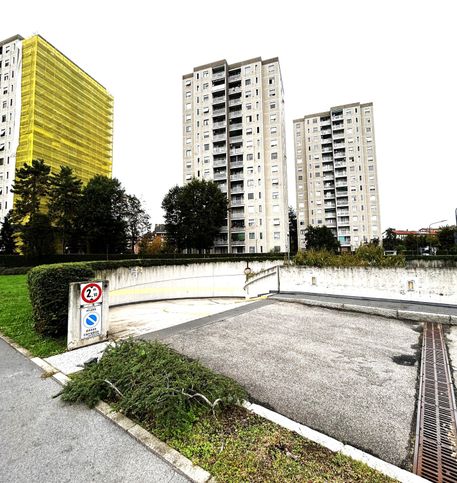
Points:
x=50, y=109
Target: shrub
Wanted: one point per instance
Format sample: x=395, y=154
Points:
x=365, y=256
x=48, y=290
x=152, y=383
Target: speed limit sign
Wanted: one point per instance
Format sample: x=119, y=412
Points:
x=91, y=293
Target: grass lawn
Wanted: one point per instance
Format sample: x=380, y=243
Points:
x=162, y=390
x=16, y=318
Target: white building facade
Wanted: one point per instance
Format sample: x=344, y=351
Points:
x=336, y=174
x=234, y=134
x=10, y=112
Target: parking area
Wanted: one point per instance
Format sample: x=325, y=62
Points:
x=352, y=376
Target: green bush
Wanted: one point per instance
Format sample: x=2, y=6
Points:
x=151, y=383
x=48, y=290
x=364, y=256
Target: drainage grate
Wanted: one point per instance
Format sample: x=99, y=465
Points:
x=435, y=456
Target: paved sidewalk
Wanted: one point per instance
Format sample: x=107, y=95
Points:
x=45, y=440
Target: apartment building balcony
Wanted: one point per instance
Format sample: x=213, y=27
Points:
x=341, y=192
x=220, y=242
x=223, y=229
x=337, y=117
x=339, y=143
x=327, y=149
x=237, y=215
x=342, y=202
x=328, y=177
x=234, y=151
x=237, y=164
x=340, y=164
x=235, y=90
x=218, y=111
x=222, y=187
x=330, y=222
x=237, y=201
x=237, y=189
x=219, y=137
x=219, y=124
x=343, y=212
x=236, y=125
x=221, y=175
x=236, y=139
x=220, y=162
x=219, y=100
x=234, y=77
x=329, y=185
x=343, y=221
x=344, y=232
x=329, y=196
x=324, y=132
x=328, y=205
x=325, y=121
x=220, y=150
x=218, y=88
x=238, y=242
x=235, y=114
x=327, y=167
x=338, y=136
x=219, y=75
x=339, y=155
x=236, y=177
x=341, y=183
x=340, y=173
x=235, y=102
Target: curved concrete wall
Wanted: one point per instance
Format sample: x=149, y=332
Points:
x=196, y=280
x=416, y=284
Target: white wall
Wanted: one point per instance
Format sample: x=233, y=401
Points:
x=141, y=284
x=429, y=284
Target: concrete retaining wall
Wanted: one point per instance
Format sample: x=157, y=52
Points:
x=142, y=284
x=415, y=284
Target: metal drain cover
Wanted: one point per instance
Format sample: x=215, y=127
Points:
x=435, y=455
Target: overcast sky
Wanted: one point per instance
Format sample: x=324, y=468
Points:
x=401, y=55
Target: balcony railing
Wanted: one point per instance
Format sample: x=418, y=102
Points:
x=235, y=114
x=220, y=150
x=220, y=242
x=237, y=216
x=220, y=175
x=233, y=78
x=342, y=202
x=217, y=112
x=327, y=167
x=234, y=90
x=238, y=242
x=219, y=75
x=338, y=117
x=327, y=150
x=340, y=164
x=234, y=127
x=237, y=189
x=219, y=100
x=220, y=87
x=236, y=139
x=236, y=164
x=234, y=151
x=236, y=177
x=235, y=102
x=220, y=137
x=340, y=174
x=219, y=124
x=219, y=162
x=328, y=177
x=341, y=183
x=329, y=196
x=237, y=202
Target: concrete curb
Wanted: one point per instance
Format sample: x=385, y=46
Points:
x=179, y=462
x=408, y=315
x=336, y=446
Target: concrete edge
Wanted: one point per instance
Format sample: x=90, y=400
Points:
x=334, y=445
x=408, y=315
x=179, y=462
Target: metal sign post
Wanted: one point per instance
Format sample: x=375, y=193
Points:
x=87, y=313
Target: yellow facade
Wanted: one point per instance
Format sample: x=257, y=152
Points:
x=66, y=116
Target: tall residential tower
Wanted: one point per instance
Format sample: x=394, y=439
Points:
x=50, y=109
x=233, y=133
x=336, y=174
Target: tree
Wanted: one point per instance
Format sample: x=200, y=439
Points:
x=31, y=186
x=321, y=238
x=7, y=240
x=38, y=236
x=194, y=214
x=64, y=198
x=102, y=215
x=390, y=240
x=137, y=220
x=150, y=244
x=293, y=235
x=446, y=238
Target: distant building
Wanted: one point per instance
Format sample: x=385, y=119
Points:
x=233, y=133
x=336, y=174
x=50, y=109
x=422, y=232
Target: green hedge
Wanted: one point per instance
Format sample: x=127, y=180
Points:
x=48, y=289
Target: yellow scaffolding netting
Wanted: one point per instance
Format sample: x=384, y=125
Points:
x=66, y=116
